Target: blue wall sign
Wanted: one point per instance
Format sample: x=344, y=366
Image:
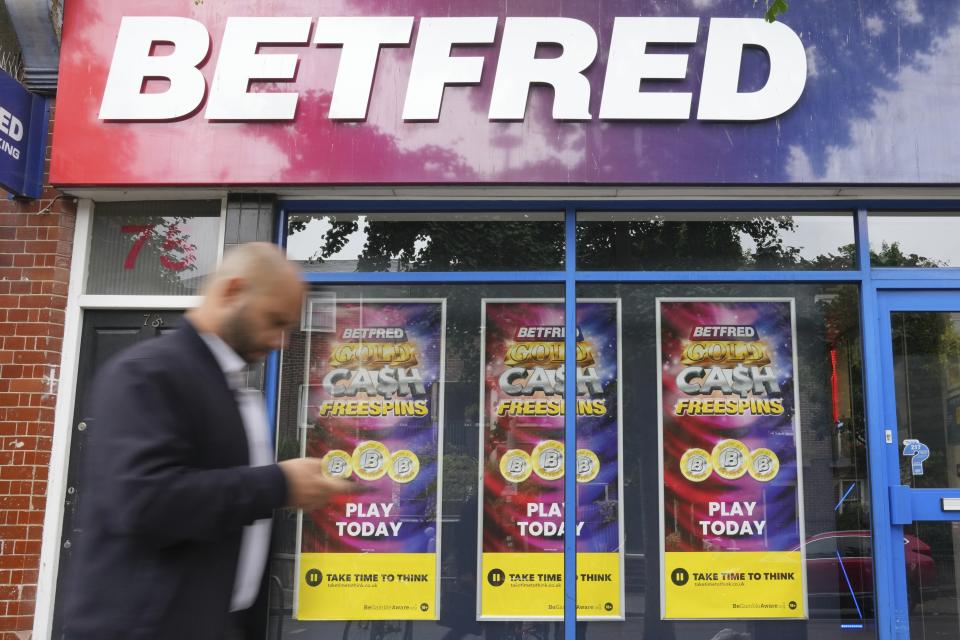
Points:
x=23, y=138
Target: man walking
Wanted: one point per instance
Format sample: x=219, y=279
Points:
x=179, y=483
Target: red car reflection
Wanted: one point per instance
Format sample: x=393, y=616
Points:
x=827, y=586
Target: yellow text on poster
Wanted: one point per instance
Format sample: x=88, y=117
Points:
x=367, y=586
x=530, y=586
x=733, y=584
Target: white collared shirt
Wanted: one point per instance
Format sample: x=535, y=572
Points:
x=255, y=544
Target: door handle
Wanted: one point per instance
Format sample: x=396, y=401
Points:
x=950, y=504
x=908, y=505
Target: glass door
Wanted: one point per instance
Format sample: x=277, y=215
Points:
x=920, y=340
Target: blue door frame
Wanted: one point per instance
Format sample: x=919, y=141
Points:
x=907, y=505
x=882, y=290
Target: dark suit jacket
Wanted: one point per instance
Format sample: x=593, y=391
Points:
x=166, y=494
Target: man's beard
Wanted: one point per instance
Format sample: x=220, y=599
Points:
x=237, y=334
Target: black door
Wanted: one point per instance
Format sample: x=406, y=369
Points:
x=105, y=334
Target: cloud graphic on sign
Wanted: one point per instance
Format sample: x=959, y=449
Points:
x=875, y=25
x=909, y=10
x=889, y=139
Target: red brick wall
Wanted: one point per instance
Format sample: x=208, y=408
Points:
x=36, y=239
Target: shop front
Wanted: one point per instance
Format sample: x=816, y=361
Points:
x=743, y=231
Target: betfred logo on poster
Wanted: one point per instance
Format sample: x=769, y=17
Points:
x=728, y=371
x=533, y=378
x=245, y=59
x=374, y=372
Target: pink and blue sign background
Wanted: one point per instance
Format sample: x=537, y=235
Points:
x=880, y=106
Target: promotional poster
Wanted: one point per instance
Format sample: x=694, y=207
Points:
x=731, y=498
x=520, y=560
x=373, y=413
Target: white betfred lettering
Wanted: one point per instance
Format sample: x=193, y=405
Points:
x=239, y=64
x=11, y=125
x=433, y=68
x=133, y=63
x=519, y=67
x=628, y=64
x=361, y=40
x=719, y=98
x=16, y=129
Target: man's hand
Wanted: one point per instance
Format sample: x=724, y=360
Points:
x=307, y=487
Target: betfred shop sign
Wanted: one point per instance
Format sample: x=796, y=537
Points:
x=23, y=138
x=242, y=60
x=298, y=92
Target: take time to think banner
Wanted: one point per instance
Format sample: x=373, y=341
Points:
x=731, y=518
x=523, y=462
x=374, y=389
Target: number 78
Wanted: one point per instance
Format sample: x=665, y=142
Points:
x=173, y=241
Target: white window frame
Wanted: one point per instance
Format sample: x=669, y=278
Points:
x=78, y=303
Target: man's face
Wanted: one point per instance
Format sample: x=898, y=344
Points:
x=257, y=322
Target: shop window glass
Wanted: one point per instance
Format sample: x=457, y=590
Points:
x=908, y=240
x=856, y=547
x=426, y=242
x=678, y=241
x=380, y=374
x=822, y=548
x=489, y=330
x=164, y=248
x=818, y=373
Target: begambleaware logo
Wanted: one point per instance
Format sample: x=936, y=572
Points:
x=244, y=58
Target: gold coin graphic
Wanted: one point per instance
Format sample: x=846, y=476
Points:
x=695, y=465
x=404, y=466
x=764, y=465
x=730, y=459
x=588, y=465
x=515, y=465
x=337, y=464
x=370, y=460
x=547, y=459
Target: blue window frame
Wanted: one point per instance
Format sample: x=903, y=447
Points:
x=871, y=281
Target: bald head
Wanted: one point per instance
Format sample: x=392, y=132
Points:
x=260, y=264
x=251, y=300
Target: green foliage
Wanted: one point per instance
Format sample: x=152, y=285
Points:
x=890, y=255
x=439, y=245
x=775, y=8
x=662, y=242
x=656, y=243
